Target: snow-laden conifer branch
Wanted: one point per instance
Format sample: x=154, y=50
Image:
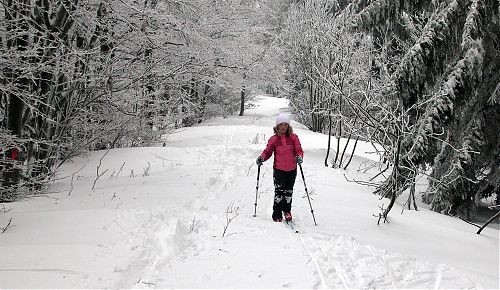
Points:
x=473, y=24
x=418, y=63
x=408, y=23
x=495, y=96
x=467, y=73
x=375, y=13
x=460, y=173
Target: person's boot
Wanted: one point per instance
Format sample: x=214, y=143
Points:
x=277, y=217
x=288, y=216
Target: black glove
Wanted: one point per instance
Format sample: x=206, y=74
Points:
x=298, y=159
x=259, y=160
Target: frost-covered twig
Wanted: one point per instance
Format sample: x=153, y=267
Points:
x=395, y=189
x=255, y=139
x=193, y=223
x=87, y=142
x=381, y=172
x=231, y=214
x=381, y=216
x=73, y=176
x=249, y=169
x=4, y=209
x=9, y=225
x=98, y=175
x=146, y=170
x=361, y=182
x=119, y=171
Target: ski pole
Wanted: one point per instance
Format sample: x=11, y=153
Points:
x=307, y=193
x=256, y=191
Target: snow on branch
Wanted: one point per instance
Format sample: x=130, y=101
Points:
x=473, y=24
x=415, y=65
x=467, y=70
x=462, y=160
x=466, y=73
x=495, y=96
x=375, y=13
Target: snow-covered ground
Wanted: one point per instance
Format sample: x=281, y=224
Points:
x=158, y=222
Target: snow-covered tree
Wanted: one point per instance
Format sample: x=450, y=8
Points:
x=447, y=79
x=329, y=70
x=88, y=75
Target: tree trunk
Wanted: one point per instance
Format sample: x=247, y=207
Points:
x=411, y=197
x=343, y=151
x=352, y=153
x=51, y=88
x=395, y=188
x=242, y=101
x=242, y=96
x=488, y=222
x=16, y=14
x=338, y=131
x=329, y=140
x=337, y=136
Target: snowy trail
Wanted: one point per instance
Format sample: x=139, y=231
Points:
x=159, y=223
x=329, y=261
x=155, y=263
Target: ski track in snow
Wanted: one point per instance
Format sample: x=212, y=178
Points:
x=164, y=230
x=334, y=261
x=342, y=262
x=165, y=238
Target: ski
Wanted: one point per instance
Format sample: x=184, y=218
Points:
x=291, y=225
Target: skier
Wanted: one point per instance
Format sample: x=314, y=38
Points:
x=287, y=154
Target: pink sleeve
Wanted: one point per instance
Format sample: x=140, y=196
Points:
x=298, y=147
x=266, y=154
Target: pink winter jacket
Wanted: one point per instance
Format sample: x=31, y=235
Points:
x=285, y=148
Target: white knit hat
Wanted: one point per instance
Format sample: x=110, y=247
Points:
x=282, y=118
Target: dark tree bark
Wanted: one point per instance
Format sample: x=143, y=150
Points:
x=488, y=222
x=242, y=101
x=16, y=13
x=352, y=153
x=329, y=139
x=242, y=97
x=395, y=190
x=343, y=151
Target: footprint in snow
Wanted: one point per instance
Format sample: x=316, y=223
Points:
x=287, y=285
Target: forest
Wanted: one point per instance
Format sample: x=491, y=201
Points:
x=418, y=78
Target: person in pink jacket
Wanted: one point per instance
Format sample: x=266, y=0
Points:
x=287, y=154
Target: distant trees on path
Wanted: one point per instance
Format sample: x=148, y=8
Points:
x=79, y=75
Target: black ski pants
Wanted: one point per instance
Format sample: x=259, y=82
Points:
x=283, y=190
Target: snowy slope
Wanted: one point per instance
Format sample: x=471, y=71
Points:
x=158, y=223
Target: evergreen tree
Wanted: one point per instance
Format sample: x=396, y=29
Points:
x=448, y=79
